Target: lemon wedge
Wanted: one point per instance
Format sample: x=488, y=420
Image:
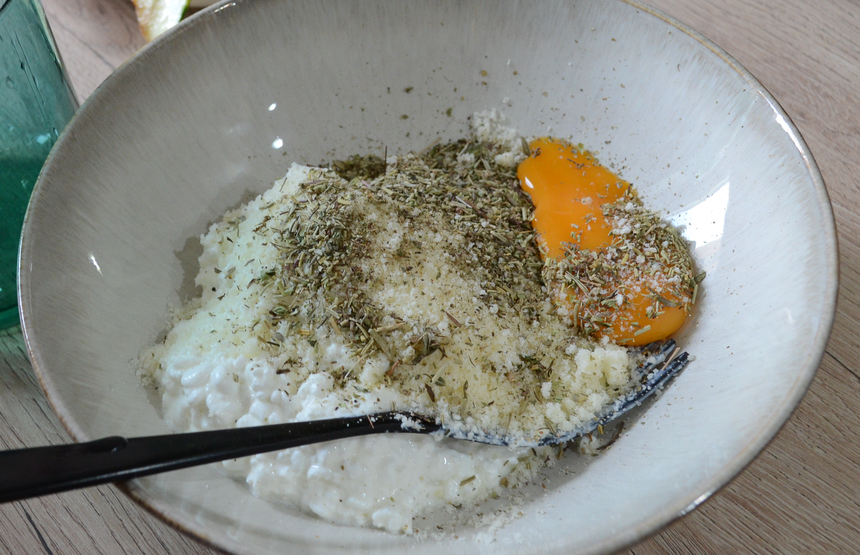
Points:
x=157, y=16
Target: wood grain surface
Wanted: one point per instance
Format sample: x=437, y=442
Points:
x=801, y=495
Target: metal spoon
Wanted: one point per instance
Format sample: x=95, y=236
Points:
x=39, y=471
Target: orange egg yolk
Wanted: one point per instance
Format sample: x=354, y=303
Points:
x=568, y=189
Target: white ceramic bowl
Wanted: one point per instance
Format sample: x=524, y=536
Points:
x=215, y=110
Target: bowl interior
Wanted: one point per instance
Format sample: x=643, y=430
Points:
x=212, y=113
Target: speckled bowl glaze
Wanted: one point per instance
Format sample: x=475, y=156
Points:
x=214, y=112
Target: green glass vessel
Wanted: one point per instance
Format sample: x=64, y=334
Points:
x=36, y=102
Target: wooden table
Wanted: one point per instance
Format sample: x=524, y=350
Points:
x=802, y=495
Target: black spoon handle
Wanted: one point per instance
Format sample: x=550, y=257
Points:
x=39, y=471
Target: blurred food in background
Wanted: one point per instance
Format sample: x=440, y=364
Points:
x=157, y=16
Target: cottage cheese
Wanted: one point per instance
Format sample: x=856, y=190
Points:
x=217, y=368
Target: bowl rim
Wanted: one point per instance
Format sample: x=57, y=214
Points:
x=657, y=521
